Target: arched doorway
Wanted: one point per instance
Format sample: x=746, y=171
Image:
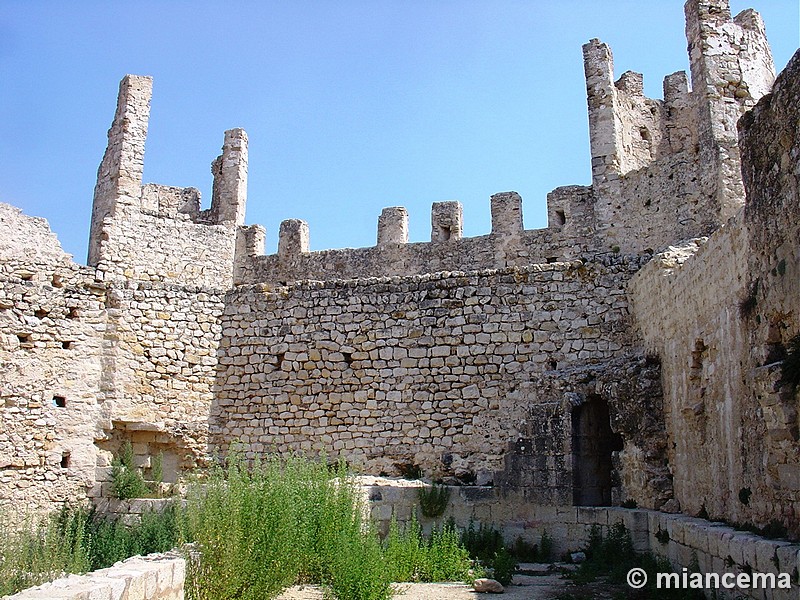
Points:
x=593, y=441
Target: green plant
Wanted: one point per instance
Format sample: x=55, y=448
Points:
x=482, y=543
x=41, y=549
x=662, y=535
x=126, y=479
x=76, y=540
x=157, y=468
x=790, y=368
x=545, y=547
x=612, y=556
x=259, y=528
x=629, y=504
x=525, y=552
x=409, y=557
x=433, y=500
x=503, y=566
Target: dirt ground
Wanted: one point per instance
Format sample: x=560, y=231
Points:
x=545, y=584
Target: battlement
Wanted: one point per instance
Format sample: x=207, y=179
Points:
x=159, y=232
x=662, y=170
x=669, y=169
x=508, y=244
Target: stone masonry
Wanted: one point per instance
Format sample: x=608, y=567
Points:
x=588, y=363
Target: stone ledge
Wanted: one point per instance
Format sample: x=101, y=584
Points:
x=152, y=577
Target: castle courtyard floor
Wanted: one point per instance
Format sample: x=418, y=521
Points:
x=546, y=587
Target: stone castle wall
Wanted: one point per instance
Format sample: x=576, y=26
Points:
x=52, y=327
x=443, y=373
x=566, y=238
x=522, y=357
x=720, y=314
x=667, y=170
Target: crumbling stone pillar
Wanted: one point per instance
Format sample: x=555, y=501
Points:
x=254, y=238
x=732, y=67
x=446, y=221
x=604, y=137
x=119, y=178
x=393, y=226
x=229, y=195
x=293, y=238
x=506, y=213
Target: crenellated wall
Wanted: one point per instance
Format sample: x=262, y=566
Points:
x=450, y=373
x=589, y=363
x=721, y=313
x=566, y=238
x=158, y=233
x=667, y=170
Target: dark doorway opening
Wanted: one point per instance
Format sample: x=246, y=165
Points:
x=593, y=441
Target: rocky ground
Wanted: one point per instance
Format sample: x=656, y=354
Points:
x=539, y=582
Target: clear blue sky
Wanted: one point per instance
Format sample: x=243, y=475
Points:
x=350, y=106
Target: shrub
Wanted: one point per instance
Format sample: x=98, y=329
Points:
x=409, y=557
x=525, y=552
x=264, y=528
x=157, y=469
x=126, y=480
x=42, y=549
x=76, y=540
x=613, y=556
x=503, y=566
x=546, y=549
x=482, y=543
x=433, y=500
x=112, y=540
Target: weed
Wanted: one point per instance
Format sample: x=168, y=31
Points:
x=545, y=547
x=503, y=566
x=433, y=500
x=482, y=543
x=260, y=529
x=76, y=540
x=613, y=556
x=525, y=552
x=409, y=557
x=126, y=479
x=157, y=468
x=629, y=504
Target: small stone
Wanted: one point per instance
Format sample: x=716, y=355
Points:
x=485, y=585
x=671, y=506
x=577, y=557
